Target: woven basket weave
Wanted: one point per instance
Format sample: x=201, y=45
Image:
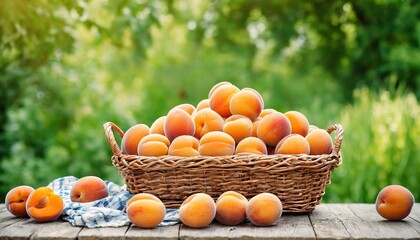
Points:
x=298, y=180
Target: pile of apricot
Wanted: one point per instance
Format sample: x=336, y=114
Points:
x=43, y=205
x=230, y=121
x=199, y=210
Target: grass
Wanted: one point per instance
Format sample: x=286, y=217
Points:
x=380, y=147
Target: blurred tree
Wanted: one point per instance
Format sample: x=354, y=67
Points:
x=41, y=110
x=356, y=42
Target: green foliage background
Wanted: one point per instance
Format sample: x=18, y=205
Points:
x=67, y=67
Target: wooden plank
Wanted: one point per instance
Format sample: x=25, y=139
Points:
x=290, y=225
x=384, y=228
x=114, y=233
x=7, y=219
x=415, y=212
x=214, y=231
x=2, y=207
x=57, y=230
x=356, y=227
x=164, y=232
x=328, y=221
x=363, y=222
x=326, y=225
x=19, y=230
x=297, y=226
x=415, y=217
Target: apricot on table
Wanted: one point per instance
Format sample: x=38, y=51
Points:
x=185, y=146
x=198, y=210
x=44, y=205
x=394, y=202
x=16, y=200
x=264, y=209
x=251, y=145
x=230, y=208
x=154, y=145
x=216, y=143
x=178, y=122
x=247, y=102
x=238, y=126
x=273, y=128
x=320, y=142
x=293, y=144
x=132, y=137
x=145, y=210
x=207, y=120
x=88, y=189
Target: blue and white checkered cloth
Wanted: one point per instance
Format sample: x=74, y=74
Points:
x=105, y=212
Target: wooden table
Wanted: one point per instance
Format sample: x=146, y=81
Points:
x=328, y=221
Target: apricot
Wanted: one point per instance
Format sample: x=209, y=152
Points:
x=238, y=126
x=255, y=125
x=273, y=128
x=266, y=111
x=264, y=209
x=158, y=126
x=230, y=208
x=247, y=102
x=16, y=200
x=198, y=210
x=394, y=202
x=217, y=85
x=44, y=205
x=312, y=127
x=207, y=120
x=251, y=145
x=145, y=210
x=205, y=103
x=189, y=108
x=299, y=122
x=185, y=146
x=178, y=122
x=88, y=189
x=216, y=144
x=220, y=99
x=320, y=142
x=293, y=144
x=154, y=145
x=132, y=138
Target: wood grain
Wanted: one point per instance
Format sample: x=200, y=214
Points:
x=7, y=219
x=326, y=224
x=167, y=232
x=296, y=225
x=103, y=233
x=19, y=230
x=328, y=221
x=57, y=230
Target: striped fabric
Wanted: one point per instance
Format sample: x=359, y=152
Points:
x=106, y=212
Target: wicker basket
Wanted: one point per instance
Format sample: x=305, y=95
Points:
x=298, y=180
